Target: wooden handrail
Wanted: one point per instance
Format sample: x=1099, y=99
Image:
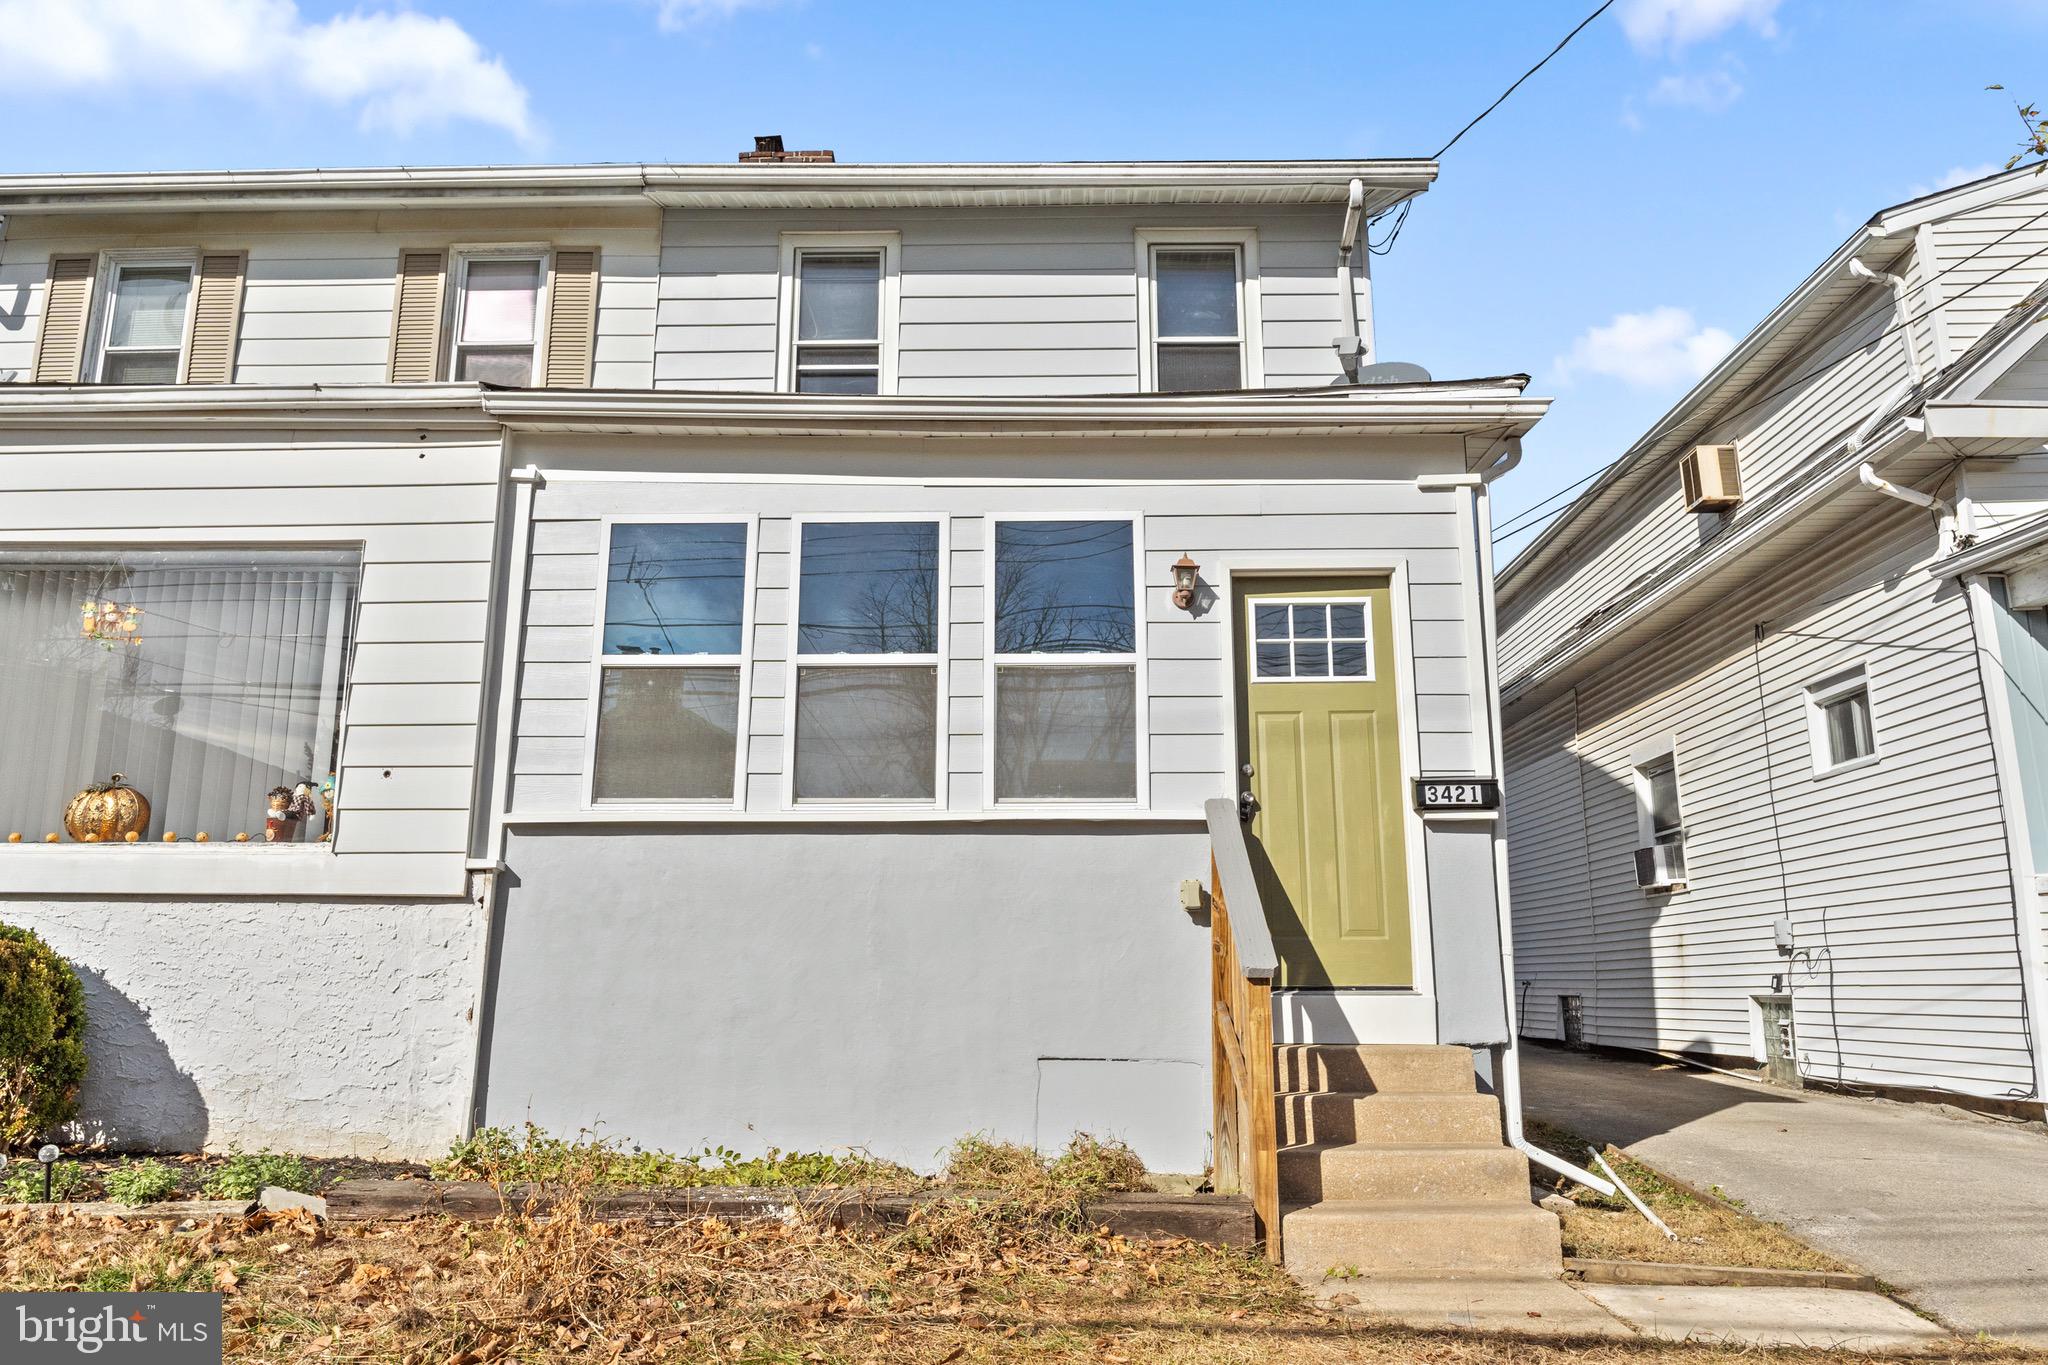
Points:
x=1242, y=967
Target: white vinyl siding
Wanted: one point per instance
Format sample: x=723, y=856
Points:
x=423, y=514
x=316, y=305
x=1186, y=673
x=993, y=301
x=1896, y=872
x=1987, y=275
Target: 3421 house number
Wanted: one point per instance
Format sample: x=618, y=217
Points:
x=1457, y=793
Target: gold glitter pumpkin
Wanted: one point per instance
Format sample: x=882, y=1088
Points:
x=107, y=811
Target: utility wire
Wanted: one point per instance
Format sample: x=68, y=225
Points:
x=1609, y=4
x=1523, y=519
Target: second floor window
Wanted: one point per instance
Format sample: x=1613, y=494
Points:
x=497, y=310
x=838, y=321
x=144, y=341
x=1198, y=325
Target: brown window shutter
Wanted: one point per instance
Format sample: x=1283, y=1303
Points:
x=572, y=319
x=67, y=309
x=416, y=317
x=216, y=318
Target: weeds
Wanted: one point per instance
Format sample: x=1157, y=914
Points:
x=143, y=1182
x=23, y=1182
x=243, y=1175
x=501, y=1157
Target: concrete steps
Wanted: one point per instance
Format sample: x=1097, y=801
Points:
x=1448, y=1240
x=1393, y=1164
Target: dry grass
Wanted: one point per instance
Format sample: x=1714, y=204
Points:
x=956, y=1288
x=1609, y=1229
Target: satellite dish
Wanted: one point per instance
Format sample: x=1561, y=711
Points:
x=1393, y=372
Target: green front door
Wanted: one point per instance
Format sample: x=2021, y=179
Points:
x=1319, y=722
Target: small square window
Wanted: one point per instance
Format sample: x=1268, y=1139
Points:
x=1839, y=722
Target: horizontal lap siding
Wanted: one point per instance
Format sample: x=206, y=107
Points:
x=1779, y=440
x=423, y=514
x=1896, y=874
x=1017, y=301
x=1987, y=275
x=1187, y=674
x=316, y=307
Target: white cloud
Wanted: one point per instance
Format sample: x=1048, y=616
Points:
x=398, y=69
x=1709, y=92
x=675, y=15
x=1954, y=176
x=1671, y=25
x=1655, y=350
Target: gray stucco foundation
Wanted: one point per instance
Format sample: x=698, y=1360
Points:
x=886, y=987
x=328, y=1029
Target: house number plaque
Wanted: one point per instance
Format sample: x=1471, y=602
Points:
x=1457, y=793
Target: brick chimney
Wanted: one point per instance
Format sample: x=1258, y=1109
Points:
x=770, y=148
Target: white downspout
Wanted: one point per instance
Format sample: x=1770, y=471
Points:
x=1351, y=345
x=1509, y=1080
x=1899, y=290
x=1870, y=478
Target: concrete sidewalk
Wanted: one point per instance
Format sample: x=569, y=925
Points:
x=1953, y=1212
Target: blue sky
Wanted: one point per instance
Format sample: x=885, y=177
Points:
x=1642, y=201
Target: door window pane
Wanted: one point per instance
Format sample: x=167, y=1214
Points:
x=867, y=733
x=1065, y=587
x=207, y=678
x=1311, y=640
x=868, y=587
x=675, y=588
x=667, y=734
x=1067, y=733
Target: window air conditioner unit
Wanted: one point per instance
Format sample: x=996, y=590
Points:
x=1660, y=865
x=1713, y=478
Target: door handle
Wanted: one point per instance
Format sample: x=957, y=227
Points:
x=1247, y=806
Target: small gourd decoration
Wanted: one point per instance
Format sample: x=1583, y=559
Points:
x=107, y=812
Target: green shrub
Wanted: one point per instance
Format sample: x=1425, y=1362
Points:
x=502, y=1157
x=42, y=1038
x=23, y=1182
x=243, y=1175
x=145, y=1182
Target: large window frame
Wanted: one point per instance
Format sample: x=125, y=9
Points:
x=797, y=661
x=460, y=258
x=108, y=281
x=1142, y=784
x=1250, y=322
x=793, y=247
x=743, y=661
x=1837, y=687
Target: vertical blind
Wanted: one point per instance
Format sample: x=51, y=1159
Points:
x=213, y=677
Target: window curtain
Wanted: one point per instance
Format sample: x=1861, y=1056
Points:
x=209, y=679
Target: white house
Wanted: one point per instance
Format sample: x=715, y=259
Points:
x=1774, y=687
x=780, y=631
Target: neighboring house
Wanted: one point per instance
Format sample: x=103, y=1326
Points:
x=739, y=603
x=1777, y=729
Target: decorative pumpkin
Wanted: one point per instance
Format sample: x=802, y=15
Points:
x=106, y=811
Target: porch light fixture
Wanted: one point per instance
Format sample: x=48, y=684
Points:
x=1185, y=573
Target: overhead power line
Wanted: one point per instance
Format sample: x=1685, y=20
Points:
x=1561, y=44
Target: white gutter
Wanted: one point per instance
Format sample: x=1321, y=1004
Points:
x=1349, y=343
x=1900, y=289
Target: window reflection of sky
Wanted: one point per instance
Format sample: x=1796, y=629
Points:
x=675, y=588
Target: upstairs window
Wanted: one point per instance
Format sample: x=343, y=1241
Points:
x=1660, y=824
x=1198, y=318
x=206, y=678
x=497, y=313
x=672, y=665
x=1838, y=722
x=839, y=322
x=144, y=340
x=1066, y=661
x=867, y=653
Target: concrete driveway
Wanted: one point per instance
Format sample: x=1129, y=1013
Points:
x=1952, y=1211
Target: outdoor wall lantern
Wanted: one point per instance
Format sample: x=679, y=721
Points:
x=1185, y=572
